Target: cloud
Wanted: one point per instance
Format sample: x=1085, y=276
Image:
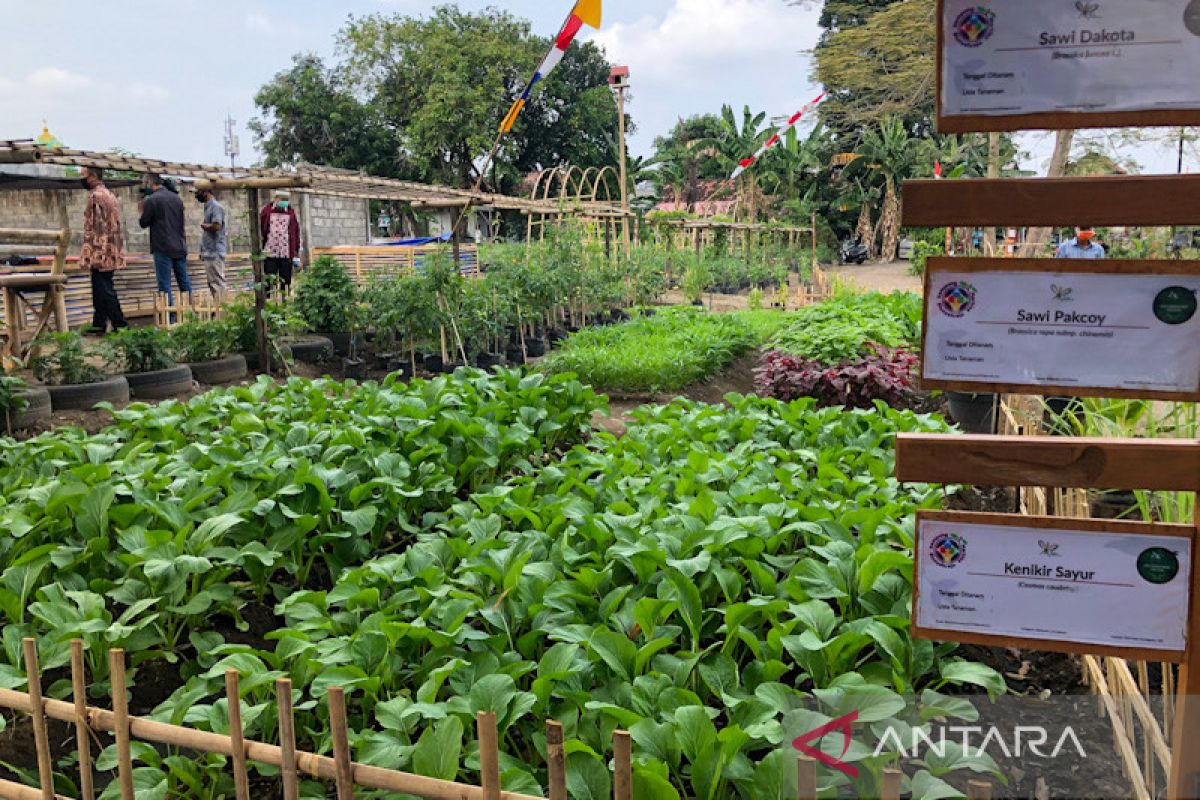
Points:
x=258, y=22
x=57, y=81
x=702, y=53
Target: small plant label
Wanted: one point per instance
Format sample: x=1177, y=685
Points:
x=1089, y=585
x=1090, y=328
x=1083, y=60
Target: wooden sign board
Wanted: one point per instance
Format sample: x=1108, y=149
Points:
x=1028, y=64
x=1062, y=326
x=1099, y=587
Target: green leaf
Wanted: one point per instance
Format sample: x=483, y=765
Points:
x=649, y=785
x=588, y=778
x=616, y=650
x=439, y=750
x=695, y=732
x=974, y=673
x=493, y=693
x=690, y=606
x=92, y=520
x=926, y=787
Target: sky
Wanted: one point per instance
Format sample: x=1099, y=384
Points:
x=158, y=78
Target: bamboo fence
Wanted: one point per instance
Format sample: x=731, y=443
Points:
x=1122, y=688
x=340, y=770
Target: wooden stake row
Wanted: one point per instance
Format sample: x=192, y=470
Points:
x=340, y=769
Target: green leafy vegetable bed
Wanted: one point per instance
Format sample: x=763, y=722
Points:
x=841, y=328
x=435, y=551
x=666, y=352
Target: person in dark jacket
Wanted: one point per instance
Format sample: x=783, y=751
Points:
x=162, y=212
x=280, y=228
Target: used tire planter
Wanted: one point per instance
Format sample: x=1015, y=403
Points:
x=84, y=396
x=312, y=349
x=36, y=412
x=161, y=383
x=223, y=370
x=536, y=348
x=556, y=336
x=974, y=413
x=252, y=360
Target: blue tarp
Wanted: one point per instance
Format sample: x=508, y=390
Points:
x=445, y=237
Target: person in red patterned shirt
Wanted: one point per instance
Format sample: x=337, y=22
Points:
x=103, y=250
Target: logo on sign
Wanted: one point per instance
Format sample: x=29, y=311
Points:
x=1048, y=548
x=1062, y=293
x=1158, y=565
x=1175, y=305
x=948, y=550
x=956, y=299
x=1087, y=10
x=975, y=26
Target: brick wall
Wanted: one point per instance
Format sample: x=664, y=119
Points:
x=334, y=221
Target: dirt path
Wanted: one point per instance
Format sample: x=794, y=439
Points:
x=885, y=278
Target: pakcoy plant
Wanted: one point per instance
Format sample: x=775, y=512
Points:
x=66, y=362
x=139, y=350
x=842, y=328
x=11, y=400
x=883, y=375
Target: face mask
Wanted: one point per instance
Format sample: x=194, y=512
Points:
x=147, y=191
x=84, y=183
x=201, y=199
x=1085, y=237
x=283, y=205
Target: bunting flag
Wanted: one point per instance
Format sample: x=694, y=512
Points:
x=585, y=12
x=746, y=163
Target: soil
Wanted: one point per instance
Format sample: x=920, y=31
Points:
x=879, y=277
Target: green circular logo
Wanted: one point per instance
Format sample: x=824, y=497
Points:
x=1175, y=305
x=1158, y=565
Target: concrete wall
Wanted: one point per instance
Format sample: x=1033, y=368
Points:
x=328, y=221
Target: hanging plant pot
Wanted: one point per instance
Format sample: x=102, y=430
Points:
x=974, y=413
x=354, y=369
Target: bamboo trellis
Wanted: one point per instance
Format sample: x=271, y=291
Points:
x=1122, y=697
x=340, y=770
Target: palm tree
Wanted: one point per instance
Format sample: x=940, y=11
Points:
x=887, y=156
x=733, y=143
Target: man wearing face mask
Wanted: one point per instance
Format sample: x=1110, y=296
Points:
x=213, y=244
x=103, y=250
x=1082, y=246
x=162, y=213
x=280, y=228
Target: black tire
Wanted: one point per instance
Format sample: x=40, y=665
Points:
x=252, y=361
x=223, y=370
x=311, y=349
x=339, y=341
x=36, y=412
x=84, y=396
x=160, y=384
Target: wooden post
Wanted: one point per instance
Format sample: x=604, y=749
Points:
x=1185, y=741
x=892, y=782
x=41, y=740
x=622, y=767
x=260, y=291
x=979, y=790
x=287, y=739
x=489, y=754
x=556, y=768
x=116, y=668
x=83, y=741
x=806, y=778
x=341, y=743
x=233, y=695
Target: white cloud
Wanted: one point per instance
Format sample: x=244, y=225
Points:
x=258, y=22
x=57, y=81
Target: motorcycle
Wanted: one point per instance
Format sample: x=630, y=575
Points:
x=853, y=251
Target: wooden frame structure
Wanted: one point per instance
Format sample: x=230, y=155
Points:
x=51, y=286
x=584, y=193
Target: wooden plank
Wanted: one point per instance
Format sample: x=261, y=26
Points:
x=489, y=754
x=806, y=778
x=1080, y=463
x=344, y=779
x=1020, y=202
x=622, y=767
x=83, y=742
x=41, y=738
x=116, y=670
x=1050, y=645
x=233, y=696
x=556, y=771
x=287, y=740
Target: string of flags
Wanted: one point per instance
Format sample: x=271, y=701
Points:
x=585, y=12
x=746, y=163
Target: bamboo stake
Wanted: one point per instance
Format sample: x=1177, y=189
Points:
x=241, y=780
x=341, y=743
x=979, y=790
x=19, y=791
x=41, y=739
x=116, y=668
x=287, y=739
x=622, y=767
x=806, y=778
x=320, y=767
x=521, y=333
x=489, y=754
x=82, y=739
x=892, y=779
x=556, y=767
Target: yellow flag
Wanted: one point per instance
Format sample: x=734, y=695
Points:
x=510, y=119
x=589, y=12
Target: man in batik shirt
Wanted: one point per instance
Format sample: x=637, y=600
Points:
x=103, y=250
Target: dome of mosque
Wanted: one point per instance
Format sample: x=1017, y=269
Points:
x=47, y=139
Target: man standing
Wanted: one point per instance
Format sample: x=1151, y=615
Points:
x=1082, y=246
x=162, y=213
x=280, y=230
x=103, y=250
x=213, y=245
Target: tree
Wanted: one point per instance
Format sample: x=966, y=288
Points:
x=733, y=143
x=684, y=161
x=887, y=156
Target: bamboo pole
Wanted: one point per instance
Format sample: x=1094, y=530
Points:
x=489, y=754
x=82, y=735
x=41, y=740
x=233, y=694
x=341, y=743
x=320, y=767
x=287, y=739
x=622, y=767
x=19, y=791
x=556, y=764
x=29, y=236
x=806, y=778
x=979, y=790
x=892, y=780
x=116, y=668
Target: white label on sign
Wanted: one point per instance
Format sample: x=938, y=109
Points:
x=1106, y=331
x=1034, y=56
x=1110, y=589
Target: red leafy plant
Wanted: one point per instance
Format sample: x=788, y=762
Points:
x=882, y=373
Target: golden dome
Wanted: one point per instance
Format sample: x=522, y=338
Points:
x=47, y=139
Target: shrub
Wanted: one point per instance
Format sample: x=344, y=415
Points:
x=325, y=297
x=11, y=401
x=197, y=341
x=67, y=364
x=138, y=350
x=883, y=374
